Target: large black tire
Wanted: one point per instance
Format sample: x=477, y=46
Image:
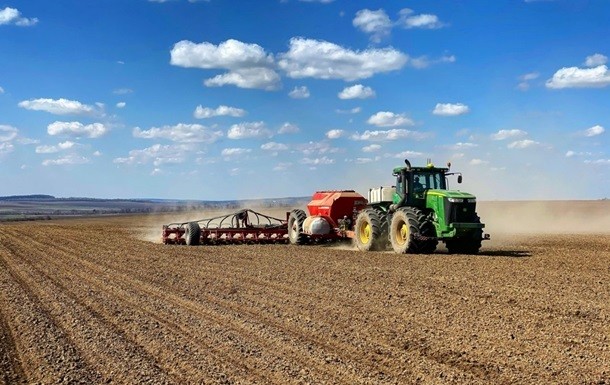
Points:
x=412, y=232
x=296, y=236
x=368, y=229
x=192, y=234
x=384, y=224
x=467, y=245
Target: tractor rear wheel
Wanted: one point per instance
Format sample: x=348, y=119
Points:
x=296, y=236
x=466, y=245
x=368, y=229
x=192, y=233
x=411, y=232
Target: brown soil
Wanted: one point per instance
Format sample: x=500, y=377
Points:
x=91, y=301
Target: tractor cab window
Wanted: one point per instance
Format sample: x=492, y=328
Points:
x=427, y=180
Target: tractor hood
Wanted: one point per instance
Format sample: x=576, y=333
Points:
x=451, y=194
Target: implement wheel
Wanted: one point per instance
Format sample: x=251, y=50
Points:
x=192, y=234
x=368, y=231
x=295, y=227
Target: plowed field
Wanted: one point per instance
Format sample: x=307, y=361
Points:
x=93, y=301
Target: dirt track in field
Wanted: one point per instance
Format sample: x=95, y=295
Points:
x=91, y=301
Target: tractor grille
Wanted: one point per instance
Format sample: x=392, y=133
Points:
x=460, y=212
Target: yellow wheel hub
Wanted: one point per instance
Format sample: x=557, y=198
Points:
x=402, y=233
x=365, y=233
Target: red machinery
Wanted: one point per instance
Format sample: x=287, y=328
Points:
x=332, y=215
x=245, y=226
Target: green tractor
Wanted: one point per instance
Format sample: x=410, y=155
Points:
x=418, y=212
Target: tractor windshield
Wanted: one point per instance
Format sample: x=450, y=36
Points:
x=429, y=180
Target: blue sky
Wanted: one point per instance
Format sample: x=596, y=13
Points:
x=271, y=98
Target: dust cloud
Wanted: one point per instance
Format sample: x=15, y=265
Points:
x=546, y=217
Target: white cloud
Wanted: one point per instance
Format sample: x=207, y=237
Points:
x=288, y=128
x=462, y=146
x=311, y=148
x=354, y=110
x=233, y=152
x=6, y=147
x=365, y=160
x=596, y=60
x=53, y=149
x=521, y=144
x=282, y=166
x=97, y=153
x=156, y=154
x=1, y=90
x=357, y=91
x=13, y=16
x=393, y=134
x=450, y=109
x=66, y=160
x=424, y=21
x=524, y=84
x=389, y=119
x=249, y=130
x=317, y=161
x=248, y=65
x=478, y=162
x=273, y=146
x=409, y=154
x=376, y=23
x=58, y=106
x=604, y=162
x=323, y=60
x=7, y=133
x=335, y=134
x=121, y=105
x=594, y=131
x=184, y=133
x=299, y=93
x=505, y=134
x=371, y=148
x=425, y=62
x=574, y=77
x=206, y=112
x=77, y=129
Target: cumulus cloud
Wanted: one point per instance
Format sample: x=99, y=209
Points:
x=599, y=162
x=121, y=104
x=462, y=146
x=409, y=20
x=273, y=146
x=371, y=148
x=425, y=62
x=317, y=161
x=288, y=128
x=478, y=162
x=375, y=23
x=77, y=129
x=6, y=147
x=71, y=159
x=8, y=133
x=53, y=149
x=323, y=60
x=249, y=130
x=228, y=153
x=450, y=109
x=409, y=154
x=248, y=65
x=354, y=110
x=184, y=133
x=521, y=144
x=574, y=77
x=299, y=93
x=311, y=148
x=389, y=119
x=357, y=91
x=58, y=106
x=393, y=134
x=506, y=134
x=596, y=60
x=524, y=83
x=12, y=16
x=594, y=131
x=156, y=154
x=335, y=134
x=206, y=112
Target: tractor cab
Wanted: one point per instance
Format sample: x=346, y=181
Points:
x=412, y=183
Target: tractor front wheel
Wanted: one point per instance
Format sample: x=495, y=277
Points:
x=368, y=231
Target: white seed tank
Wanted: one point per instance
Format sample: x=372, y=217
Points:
x=316, y=226
x=381, y=194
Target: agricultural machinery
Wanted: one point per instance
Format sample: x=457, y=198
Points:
x=410, y=217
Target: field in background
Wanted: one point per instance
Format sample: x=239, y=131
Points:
x=96, y=300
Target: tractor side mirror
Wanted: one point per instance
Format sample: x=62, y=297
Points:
x=459, y=179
